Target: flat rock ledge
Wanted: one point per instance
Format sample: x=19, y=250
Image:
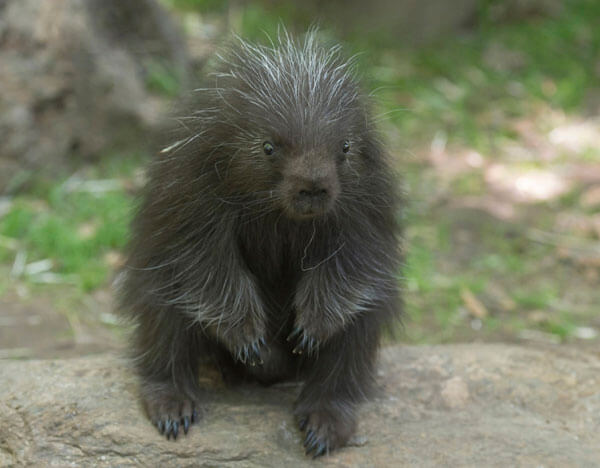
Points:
x=460, y=405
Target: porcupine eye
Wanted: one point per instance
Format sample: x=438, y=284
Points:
x=268, y=148
x=346, y=146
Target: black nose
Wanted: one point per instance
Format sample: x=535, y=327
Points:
x=312, y=193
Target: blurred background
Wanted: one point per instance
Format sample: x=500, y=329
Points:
x=490, y=108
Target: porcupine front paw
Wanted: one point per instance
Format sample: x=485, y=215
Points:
x=304, y=343
x=245, y=342
x=250, y=353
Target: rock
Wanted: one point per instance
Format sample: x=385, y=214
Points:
x=519, y=10
x=76, y=80
x=455, y=392
x=461, y=405
x=409, y=21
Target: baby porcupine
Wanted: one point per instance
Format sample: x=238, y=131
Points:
x=267, y=241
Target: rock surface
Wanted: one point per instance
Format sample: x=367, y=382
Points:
x=461, y=405
x=75, y=77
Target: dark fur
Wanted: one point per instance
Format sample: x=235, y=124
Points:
x=272, y=266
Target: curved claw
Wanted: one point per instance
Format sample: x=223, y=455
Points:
x=321, y=449
x=305, y=343
x=313, y=445
x=168, y=427
x=255, y=355
x=250, y=353
x=310, y=437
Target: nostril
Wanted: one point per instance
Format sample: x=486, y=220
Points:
x=313, y=193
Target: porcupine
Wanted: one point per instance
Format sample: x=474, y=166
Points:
x=267, y=241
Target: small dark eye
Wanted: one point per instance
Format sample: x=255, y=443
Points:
x=346, y=146
x=268, y=148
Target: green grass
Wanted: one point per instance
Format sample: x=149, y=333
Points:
x=532, y=298
x=71, y=227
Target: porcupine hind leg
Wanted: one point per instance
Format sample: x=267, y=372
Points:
x=167, y=349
